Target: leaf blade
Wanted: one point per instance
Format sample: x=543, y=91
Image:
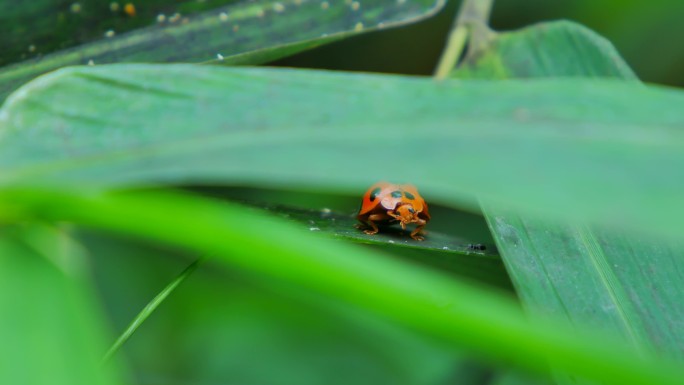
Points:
x=626, y=134
x=246, y=32
x=586, y=274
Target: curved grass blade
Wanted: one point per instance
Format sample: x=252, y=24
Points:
x=248, y=32
x=480, y=320
x=149, y=309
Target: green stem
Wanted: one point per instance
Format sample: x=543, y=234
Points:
x=149, y=309
x=470, y=25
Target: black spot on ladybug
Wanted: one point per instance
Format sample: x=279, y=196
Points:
x=477, y=247
x=374, y=193
x=409, y=195
x=411, y=210
x=396, y=194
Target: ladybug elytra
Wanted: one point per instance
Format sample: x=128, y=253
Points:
x=387, y=203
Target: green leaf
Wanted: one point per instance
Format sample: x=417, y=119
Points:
x=554, y=49
x=625, y=284
x=480, y=320
x=447, y=252
x=604, y=150
x=247, y=32
x=345, y=227
x=51, y=329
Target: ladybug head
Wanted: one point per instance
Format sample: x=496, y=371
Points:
x=405, y=213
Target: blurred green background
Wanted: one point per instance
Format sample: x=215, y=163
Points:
x=645, y=33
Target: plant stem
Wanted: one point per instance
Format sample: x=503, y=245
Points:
x=149, y=309
x=470, y=24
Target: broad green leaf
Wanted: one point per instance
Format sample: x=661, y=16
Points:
x=457, y=314
x=604, y=150
x=246, y=32
x=50, y=328
x=626, y=285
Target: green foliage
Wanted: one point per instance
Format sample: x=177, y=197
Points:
x=577, y=178
x=480, y=321
x=567, y=269
x=245, y=32
x=524, y=149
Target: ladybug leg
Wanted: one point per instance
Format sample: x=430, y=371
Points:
x=398, y=218
x=374, y=228
x=417, y=234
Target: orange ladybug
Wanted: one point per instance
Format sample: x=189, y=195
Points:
x=386, y=203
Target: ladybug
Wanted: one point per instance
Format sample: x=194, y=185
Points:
x=387, y=203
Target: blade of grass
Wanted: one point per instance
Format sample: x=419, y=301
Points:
x=480, y=320
x=149, y=309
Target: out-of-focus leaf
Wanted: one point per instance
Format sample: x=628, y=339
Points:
x=50, y=327
x=605, y=150
x=556, y=49
x=627, y=285
x=458, y=314
x=246, y=32
x=219, y=328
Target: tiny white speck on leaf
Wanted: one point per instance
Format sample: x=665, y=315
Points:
x=75, y=8
x=314, y=229
x=32, y=48
x=278, y=7
x=91, y=62
x=355, y=6
x=219, y=56
x=391, y=241
x=176, y=16
x=223, y=16
x=110, y=33
x=161, y=18
x=445, y=248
